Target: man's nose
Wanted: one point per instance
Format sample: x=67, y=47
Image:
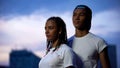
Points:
x=77, y=17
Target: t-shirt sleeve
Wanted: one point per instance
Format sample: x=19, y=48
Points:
x=101, y=45
x=68, y=58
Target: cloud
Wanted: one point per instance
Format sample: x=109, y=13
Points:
x=40, y=53
x=4, y=57
x=24, y=29
x=4, y=54
x=106, y=22
x=27, y=31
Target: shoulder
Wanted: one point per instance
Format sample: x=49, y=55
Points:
x=71, y=38
x=64, y=50
x=70, y=41
x=99, y=42
x=96, y=37
x=64, y=47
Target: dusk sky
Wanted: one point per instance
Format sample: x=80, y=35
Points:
x=22, y=23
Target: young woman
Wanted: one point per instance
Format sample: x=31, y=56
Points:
x=58, y=54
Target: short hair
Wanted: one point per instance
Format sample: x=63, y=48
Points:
x=88, y=13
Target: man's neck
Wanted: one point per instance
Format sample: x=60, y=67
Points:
x=81, y=33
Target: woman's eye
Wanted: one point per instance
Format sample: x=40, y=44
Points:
x=51, y=27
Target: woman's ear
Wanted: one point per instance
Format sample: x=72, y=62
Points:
x=60, y=31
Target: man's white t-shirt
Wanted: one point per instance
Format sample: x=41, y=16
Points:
x=61, y=58
x=88, y=49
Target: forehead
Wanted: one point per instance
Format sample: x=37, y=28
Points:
x=80, y=10
x=50, y=23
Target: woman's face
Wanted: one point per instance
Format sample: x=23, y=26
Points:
x=51, y=31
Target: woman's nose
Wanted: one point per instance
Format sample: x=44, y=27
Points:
x=46, y=31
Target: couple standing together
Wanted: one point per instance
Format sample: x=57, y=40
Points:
x=82, y=50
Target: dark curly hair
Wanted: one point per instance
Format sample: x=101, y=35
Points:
x=62, y=39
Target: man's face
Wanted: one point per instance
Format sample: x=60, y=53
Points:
x=79, y=17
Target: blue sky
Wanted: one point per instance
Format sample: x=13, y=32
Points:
x=28, y=6
x=22, y=23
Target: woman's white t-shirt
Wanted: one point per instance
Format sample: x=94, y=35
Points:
x=61, y=58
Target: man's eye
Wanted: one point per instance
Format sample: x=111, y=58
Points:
x=74, y=14
x=82, y=14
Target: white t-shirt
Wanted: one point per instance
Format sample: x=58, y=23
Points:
x=61, y=58
x=88, y=49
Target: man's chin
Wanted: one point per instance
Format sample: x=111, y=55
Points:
x=80, y=28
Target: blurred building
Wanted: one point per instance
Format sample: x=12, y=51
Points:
x=112, y=53
x=23, y=59
x=26, y=59
x=2, y=66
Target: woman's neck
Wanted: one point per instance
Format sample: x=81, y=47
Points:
x=54, y=43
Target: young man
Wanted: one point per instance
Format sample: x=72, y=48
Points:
x=86, y=45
